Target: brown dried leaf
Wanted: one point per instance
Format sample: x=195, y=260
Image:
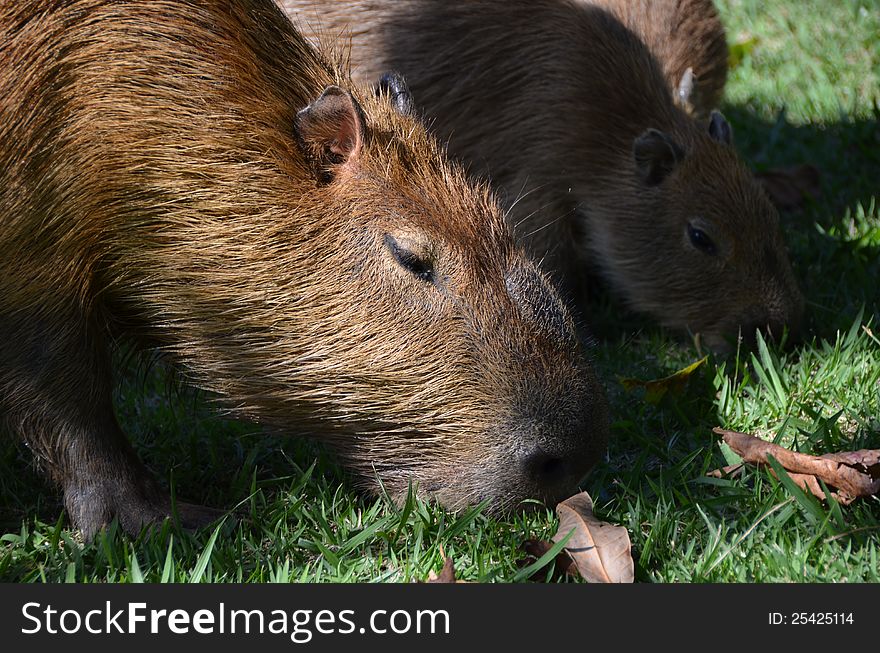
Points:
x=729, y=471
x=447, y=573
x=811, y=484
x=865, y=460
x=852, y=473
x=562, y=563
x=602, y=552
x=790, y=187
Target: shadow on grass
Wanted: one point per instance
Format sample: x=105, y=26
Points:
x=183, y=440
x=24, y=493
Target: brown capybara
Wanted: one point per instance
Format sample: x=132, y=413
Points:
x=603, y=169
x=685, y=36
x=191, y=176
x=688, y=40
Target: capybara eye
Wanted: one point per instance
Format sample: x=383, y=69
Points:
x=419, y=264
x=701, y=241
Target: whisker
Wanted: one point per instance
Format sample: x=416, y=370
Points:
x=550, y=223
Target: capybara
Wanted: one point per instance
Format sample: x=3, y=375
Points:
x=686, y=36
x=190, y=176
x=603, y=168
x=688, y=40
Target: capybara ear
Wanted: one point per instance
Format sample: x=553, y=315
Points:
x=720, y=129
x=685, y=90
x=394, y=85
x=656, y=155
x=331, y=130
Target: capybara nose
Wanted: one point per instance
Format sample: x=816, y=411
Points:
x=555, y=476
x=545, y=470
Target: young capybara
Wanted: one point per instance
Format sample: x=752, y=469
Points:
x=578, y=123
x=191, y=176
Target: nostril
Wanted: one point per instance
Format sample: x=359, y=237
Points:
x=545, y=469
x=552, y=468
x=750, y=333
x=793, y=335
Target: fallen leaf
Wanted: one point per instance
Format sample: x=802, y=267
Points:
x=656, y=389
x=601, y=552
x=447, y=573
x=740, y=50
x=791, y=187
x=729, y=471
x=562, y=563
x=851, y=474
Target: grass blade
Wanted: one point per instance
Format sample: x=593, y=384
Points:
x=205, y=557
x=543, y=561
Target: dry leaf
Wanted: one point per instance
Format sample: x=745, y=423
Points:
x=562, y=563
x=655, y=390
x=790, y=187
x=447, y=573
x=851, y=473
x=740, y=50
x=602, y=552
x=729, y=471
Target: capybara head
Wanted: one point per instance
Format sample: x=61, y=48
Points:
x=714, y=250
x=438, y=350
x=194, y=177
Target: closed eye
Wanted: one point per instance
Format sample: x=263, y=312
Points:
x=419, y=265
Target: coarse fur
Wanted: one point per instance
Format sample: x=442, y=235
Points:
x=682, y=35
x=191, y=176
x=573, y=114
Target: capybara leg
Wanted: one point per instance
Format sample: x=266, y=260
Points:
x=55, y=394
x=113, y=483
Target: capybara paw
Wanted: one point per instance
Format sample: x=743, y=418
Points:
x=93, y=507
x=192, y=516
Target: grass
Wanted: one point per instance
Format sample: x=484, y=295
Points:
x=807, y=92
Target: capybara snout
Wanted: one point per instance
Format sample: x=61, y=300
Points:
x=556, y=439
x=485, y=363
x=192, y=177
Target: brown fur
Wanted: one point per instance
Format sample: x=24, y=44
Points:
x=549, y=98
x=321, y=270
x=681, y=35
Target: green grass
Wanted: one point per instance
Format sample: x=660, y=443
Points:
x=808, y=92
